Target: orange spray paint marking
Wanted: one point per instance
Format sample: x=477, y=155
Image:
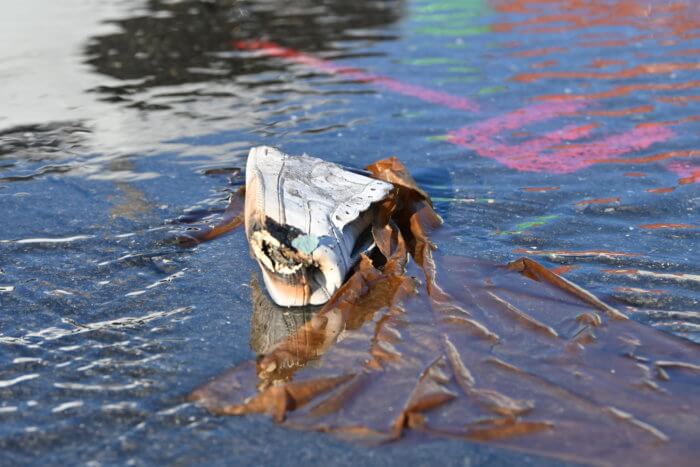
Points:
x=538, y=52
x=545, y=64
x=661, y=190
x=564, y=269
x=539, y=189
x=623, y=90
x=640, y=70
x=668, y=226
x=602, y=63
x=679, y=100
x=685, y=53
x=586, y=202
x=621, y=112
x=655, y=158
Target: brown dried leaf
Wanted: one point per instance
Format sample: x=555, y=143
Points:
x=231, y=219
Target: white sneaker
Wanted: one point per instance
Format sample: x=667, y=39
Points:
x=307, y=221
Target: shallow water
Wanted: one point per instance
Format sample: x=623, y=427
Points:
x=554, y=129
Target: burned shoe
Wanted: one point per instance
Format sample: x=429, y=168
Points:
x=307, y=221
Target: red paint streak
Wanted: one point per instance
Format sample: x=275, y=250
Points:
x=680, y=121
x=641, y=70
x=610, y=43
x=545, y=64
x=621, y=112
x=635, y=174
x=427, y=95
x=539, y=189
x=661, y=190
x=689, y=173
x=695, y=178
x=624, y=90
x=608, y=35
x=673, y=19
x=688, y=119
x=538, y=52
x=586, y=202
x=655, y=158
x=564, y=269
x=601, y=63
x=679, y=100
x=668, y=226
x=685, y=53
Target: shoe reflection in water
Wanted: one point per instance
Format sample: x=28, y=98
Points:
x=272, y=324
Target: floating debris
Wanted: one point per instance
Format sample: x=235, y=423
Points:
x=307, y=222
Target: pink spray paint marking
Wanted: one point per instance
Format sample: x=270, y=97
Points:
x=542, y=154
x=427, y=95
x=687, y=171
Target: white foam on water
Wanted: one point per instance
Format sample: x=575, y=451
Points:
x=11, y=382
x=51, y=240
x=66, y=406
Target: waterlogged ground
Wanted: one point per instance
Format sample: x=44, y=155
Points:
x=563, y=130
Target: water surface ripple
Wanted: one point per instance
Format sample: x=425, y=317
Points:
x=565, y=130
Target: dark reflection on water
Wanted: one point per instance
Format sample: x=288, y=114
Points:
x=189, y=41
x=105, y=326
x=270, y=324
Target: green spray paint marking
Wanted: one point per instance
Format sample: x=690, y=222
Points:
x=406, y=114
x=427, y=61
x=523, y=226
x=467, y=31
x=463, y=69
x=491, y=90
x=460, y=79
x=437, y=138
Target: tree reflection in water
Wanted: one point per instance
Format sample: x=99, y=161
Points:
x=190, y=41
